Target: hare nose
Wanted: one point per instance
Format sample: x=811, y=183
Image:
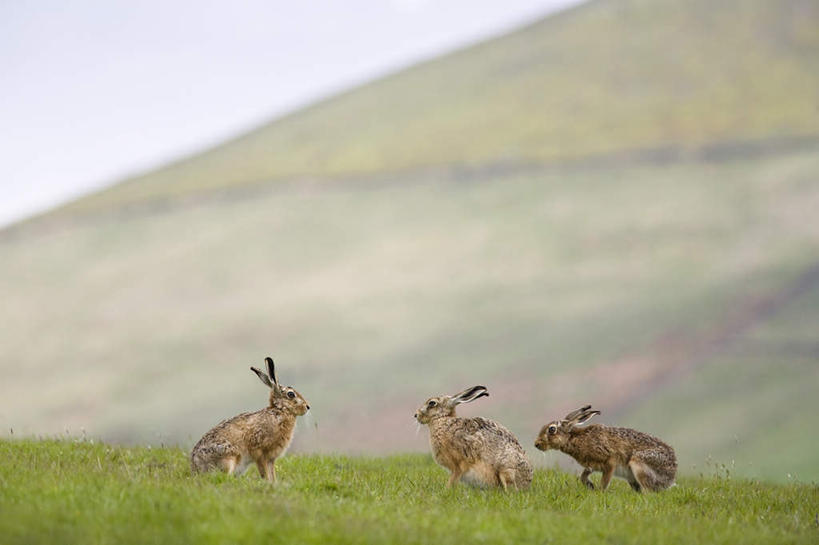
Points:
x=308, y=407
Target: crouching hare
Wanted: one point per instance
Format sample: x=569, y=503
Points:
x=475, y=450
x=643, y=460
x=259, y=437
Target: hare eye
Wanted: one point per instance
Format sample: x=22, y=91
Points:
x=291, y=395
x=431, y=404
x=552, y=430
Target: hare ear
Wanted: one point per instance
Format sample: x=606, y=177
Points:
x=262, y=376
x=586, y=416
x=271, y=370
x=574, y=414
x=470, y=394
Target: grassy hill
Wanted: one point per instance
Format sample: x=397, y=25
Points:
x=608, y=77
x=60, y=492
x=615, y=205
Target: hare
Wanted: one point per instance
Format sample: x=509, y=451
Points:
x=476, y=450
x=260, y=437
x=643, y=460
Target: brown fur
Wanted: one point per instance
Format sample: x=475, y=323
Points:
x=643, y=460
x=259, y=437
x=475, y=450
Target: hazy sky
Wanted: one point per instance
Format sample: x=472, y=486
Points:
x=92, y=91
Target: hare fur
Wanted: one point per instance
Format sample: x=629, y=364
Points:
x=259, y=437
x=644, y=461
x=475, y=450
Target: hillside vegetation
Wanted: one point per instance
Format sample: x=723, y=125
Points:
x=608, y=77
x=60, y=492
x=676, y=289
x=638, y=289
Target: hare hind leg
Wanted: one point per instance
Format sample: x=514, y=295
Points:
x=507, y=478
x=229, y=464
x=644, y=475
x=459, y=470
x=625, y=472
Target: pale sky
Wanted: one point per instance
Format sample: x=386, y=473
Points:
x=93, y=91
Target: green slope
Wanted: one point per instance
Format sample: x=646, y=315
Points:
x=742, y=405
x=673, y=289
x=372, y=298
x=59, y=492
x=605, y=77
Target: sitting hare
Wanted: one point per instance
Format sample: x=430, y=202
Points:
x=644, y=461
x=477, y=450
x=260, y=437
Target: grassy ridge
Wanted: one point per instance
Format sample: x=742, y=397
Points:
x=552, y=285
x=605, y=77
x=64, y=492
x=374, y=297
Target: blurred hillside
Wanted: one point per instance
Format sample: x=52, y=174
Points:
x=628, y=78
x=614, y=205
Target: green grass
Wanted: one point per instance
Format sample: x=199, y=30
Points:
x=610, y=76
x=69, y=492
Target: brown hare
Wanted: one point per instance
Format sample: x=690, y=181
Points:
x=643, y=460
x=475, y=450
x=259, y=437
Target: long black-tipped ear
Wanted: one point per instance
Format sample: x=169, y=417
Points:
x=471, y=394
x=271, y=370
x=574, y=414
x=583, y=418
x=262, y=376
